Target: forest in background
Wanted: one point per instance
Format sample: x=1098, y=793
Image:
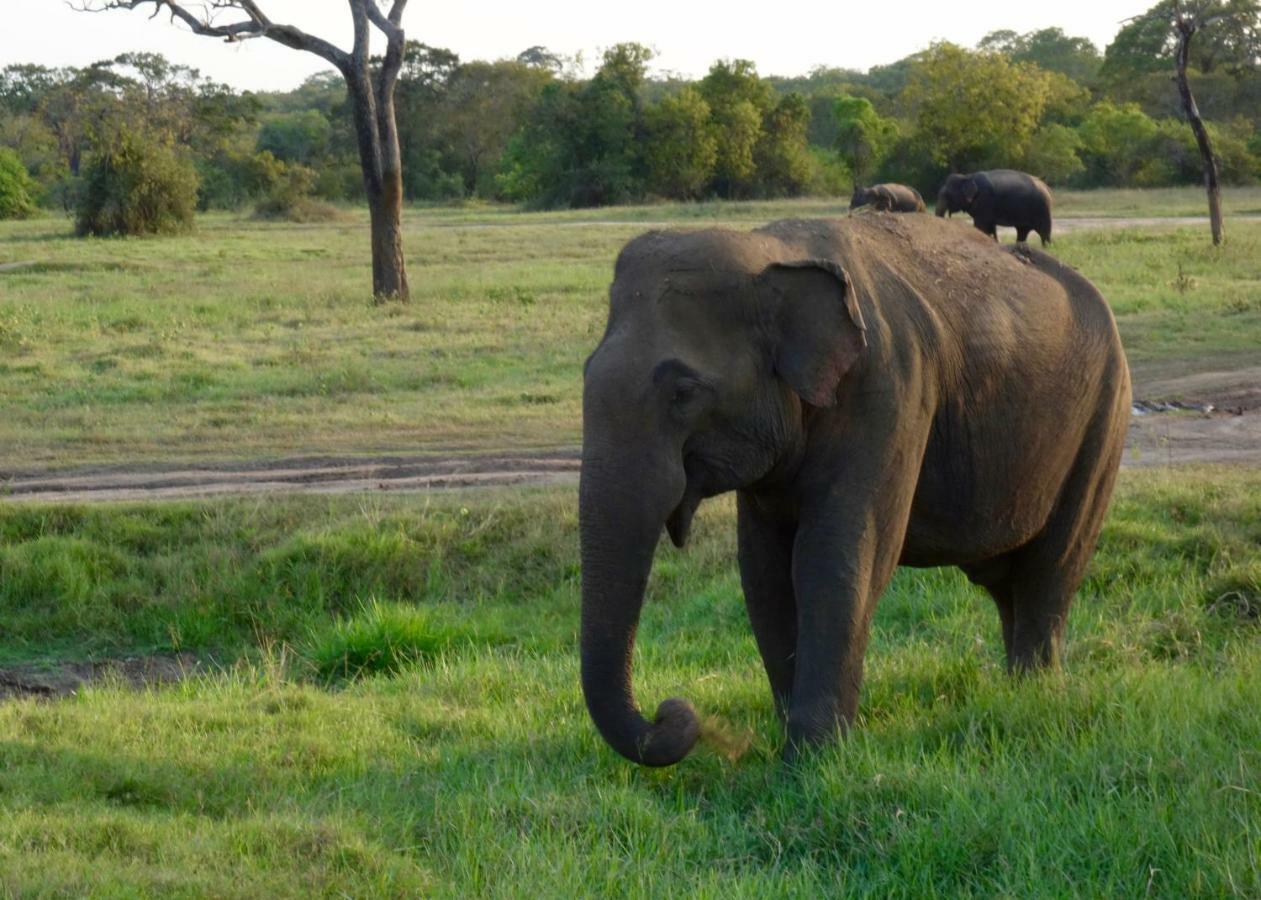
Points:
x=540, y=131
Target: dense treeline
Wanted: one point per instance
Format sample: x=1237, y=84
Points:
x=534, y=130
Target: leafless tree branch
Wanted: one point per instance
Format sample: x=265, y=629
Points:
x=255, y=25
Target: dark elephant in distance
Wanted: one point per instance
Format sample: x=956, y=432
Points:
x=888, y=198
x=1000, y=197
x=879, y=391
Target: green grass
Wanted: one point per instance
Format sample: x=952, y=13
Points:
x=251, y=338
x=458, y=760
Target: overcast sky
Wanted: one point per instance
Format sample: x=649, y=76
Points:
x=785, y=38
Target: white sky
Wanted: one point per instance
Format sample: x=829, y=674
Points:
x=786, y=38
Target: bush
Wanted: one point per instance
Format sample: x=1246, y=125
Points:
x=15, y=187
x=230, y=179
x=136, y=185
x=290, y=197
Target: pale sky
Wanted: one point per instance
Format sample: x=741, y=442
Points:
x=786, y=38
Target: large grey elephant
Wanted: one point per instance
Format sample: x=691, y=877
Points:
x=880, y=391
x=999, y=197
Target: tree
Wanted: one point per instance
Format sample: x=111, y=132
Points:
x=1050, y=49
x=682, y=148
x=370, y=86
x=295, y=137
x=480, y=109
x=1114, y=140
x=973, y=109
x=1228, y=38
x=864, y=138
x=784, y=163
x=1231, y=31
x=1054, y=154
x=583, y=143
x=738, y=99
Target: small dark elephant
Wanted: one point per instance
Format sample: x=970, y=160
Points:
x=879, y=391
x=888, y=198
x=1000, y=197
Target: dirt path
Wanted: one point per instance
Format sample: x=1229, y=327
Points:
x=1219, y=420
x=297, y=475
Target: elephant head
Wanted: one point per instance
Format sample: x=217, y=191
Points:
x=716, y=344
x=957, y=194
x=861, y=197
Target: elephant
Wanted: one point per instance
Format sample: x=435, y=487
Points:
x=1000, y=197
x=878, y=391
x=888, y=198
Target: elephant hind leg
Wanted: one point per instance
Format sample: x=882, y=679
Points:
x=1032, y=605
x=1022, y=233
x=1043, y=576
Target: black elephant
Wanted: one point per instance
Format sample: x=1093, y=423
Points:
x=1000, y=197
x=888, y=198
x=879, y=391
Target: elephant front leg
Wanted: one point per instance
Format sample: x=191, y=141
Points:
x=766, y=542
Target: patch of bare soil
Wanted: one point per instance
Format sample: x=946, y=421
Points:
x=53, y=680
x=301, y=475
x=1197, y=417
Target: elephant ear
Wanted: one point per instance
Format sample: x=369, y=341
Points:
x=969, y=190
x=817, y=330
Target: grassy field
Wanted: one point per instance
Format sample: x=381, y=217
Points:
x=399, y=714
x=254, y=339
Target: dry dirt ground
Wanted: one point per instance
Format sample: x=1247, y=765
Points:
x=1218, y=420
x=61, y=679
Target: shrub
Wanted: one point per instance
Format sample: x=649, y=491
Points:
x=231, y=178
x=290, y=197
x=136, y=185
x=15, y=187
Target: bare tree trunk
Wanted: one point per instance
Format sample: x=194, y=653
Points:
x=376, y=132
x=1185, y=30
x=389, y=276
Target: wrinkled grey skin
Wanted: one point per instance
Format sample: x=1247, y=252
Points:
x=879, y=391
x=888, y=198
x=1000, y=197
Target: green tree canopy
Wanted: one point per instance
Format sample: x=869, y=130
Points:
x=1050, y=49
x=864, y=138
x=975, y=109
x=784, y=164
x=738, y=99
x=682, y=146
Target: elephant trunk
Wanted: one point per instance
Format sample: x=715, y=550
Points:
x=620, y=521
x=942, y=205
